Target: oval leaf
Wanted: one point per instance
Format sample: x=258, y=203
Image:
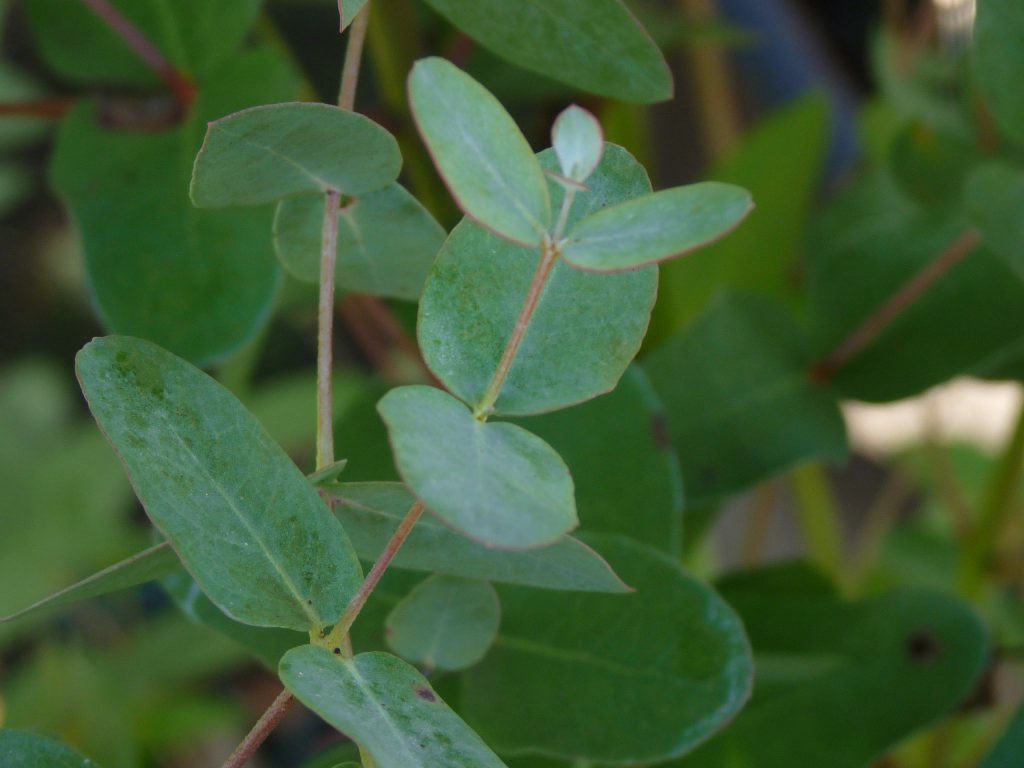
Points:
x=483, y=158
x=445, y=623
x=596, y=45
x=578, y=141
x=265, y=153
x=650, y=229
x=496, y=483
x=387, y=707
x=585, y=330
x=371, y=512
x=565, y=668
x=239, y=513
x=387, y=241
x=19, y=749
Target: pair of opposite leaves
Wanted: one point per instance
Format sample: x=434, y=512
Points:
x=496, y=483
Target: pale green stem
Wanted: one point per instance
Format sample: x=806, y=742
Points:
x=819, y=519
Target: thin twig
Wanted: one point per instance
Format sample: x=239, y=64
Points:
x=52, y=109
x=325, y=333
x=913, y=290
x=355, y=605
x=183, y=88
x=264, y=727
x=353, y=59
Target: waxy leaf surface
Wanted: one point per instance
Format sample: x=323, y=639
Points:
x=371, y=512
x=387, y=706
x=578, y=141
x=387, y=242
x=596, y=45
x=840, y=683
x=494, y=482
x=445, y=623
x=238, y=512
x=566, y=669
x=151, y=564
x=20, y=749
x=273, y=151
x=586, y=328
x=199, y=283
x=739, y=400
x=656, y=227
x=483, y=158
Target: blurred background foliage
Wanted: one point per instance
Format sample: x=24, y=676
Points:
x=855, y=124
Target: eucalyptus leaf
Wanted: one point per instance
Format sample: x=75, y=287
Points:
x=19, y=749
x=387, y=241
x=596, y=45
x=496, y=483
x=371, y=512
x=755, y=411
x=265, y=153
x=1010, y=747
x=199, y=283
x=151, y=564
x=656, y=227
x=578, y=142
x=446, y=623
x=619, y=444
x=347, y=10
x=484, y=159
x=386, y=706
x=238, y=512
x=566, y=670
x=584, y=332
x=196, y=36
x=994, y=197
x=999, y=62
x=839, y=683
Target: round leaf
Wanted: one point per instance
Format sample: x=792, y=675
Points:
x=585, y=330
x=445, y=623
x=265, y=153
x=496, y=483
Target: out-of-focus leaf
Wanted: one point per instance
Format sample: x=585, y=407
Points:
x=19, y=749
x=999, y=62
x=1008, y=751
x=995, y=202
x=578, y=142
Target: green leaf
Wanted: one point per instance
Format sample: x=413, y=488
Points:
x=387, y=707
x=578, y=142
x=238, y=512
x=371, y=512
x=781, y=162
x=446, y=623
x=265, y=153
x=619, y=443
x=199, y=283
x=863, y=250
x=839, y=683
x=999, y=62
x=650, y=229
x=19, y=749
x=566, y=670
x=596, y=45
x=740, y=403
x=196, y=36
x=496, y=483
x=585, y=330
x=387, y=242
x=1010, y=747
x=484, y=159
x=347, y=10
x=148, y=565
x=994, y=197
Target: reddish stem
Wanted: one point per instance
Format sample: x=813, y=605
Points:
x=911, y=291
x=264, y=727
x=183, y=88
x=52, y=109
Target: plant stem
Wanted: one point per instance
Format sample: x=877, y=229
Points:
x=53, y=109
x=911, y=291
x=348, y=618
x=264, y=727
x=996, y=507
x=183, y=88
x=325, y=333
x=353, y=59
x=548, y=258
